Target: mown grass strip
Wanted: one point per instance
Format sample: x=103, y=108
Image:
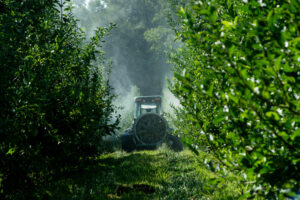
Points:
x=160, y=174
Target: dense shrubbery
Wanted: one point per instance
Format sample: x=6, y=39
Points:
x=55, y=105
x=238, y=79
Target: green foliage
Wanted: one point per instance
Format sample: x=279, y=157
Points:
x=238, y=81
x=55, y=105
x=189, y=131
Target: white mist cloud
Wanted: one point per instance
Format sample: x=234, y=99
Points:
x=88, y=1
x=169, y=100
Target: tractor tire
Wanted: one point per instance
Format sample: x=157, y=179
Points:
x=174, y=143
x=127, y=143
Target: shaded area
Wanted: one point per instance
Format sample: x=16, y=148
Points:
x=131, y=176
x=160, y=174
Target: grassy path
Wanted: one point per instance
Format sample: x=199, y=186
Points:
x=160, y=174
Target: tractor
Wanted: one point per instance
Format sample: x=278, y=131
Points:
x=149, y=129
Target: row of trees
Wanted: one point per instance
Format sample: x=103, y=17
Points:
x=238, y=81
x=55, y=102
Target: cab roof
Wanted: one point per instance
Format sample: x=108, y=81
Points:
x=147, y=97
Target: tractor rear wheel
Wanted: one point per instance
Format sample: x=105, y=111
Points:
x=174, y=143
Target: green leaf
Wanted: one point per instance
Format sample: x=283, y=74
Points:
x=11, y=151
x=270, y=70
x=284, y=135
x=235, y=99
x=278, y=63
x=182, y=10
x=236, y=20
x=209, y=92
x=213, y=14
x=266, y=94
x=273, y=115
x=219, y=118
x=227, y=23
x=295, y=134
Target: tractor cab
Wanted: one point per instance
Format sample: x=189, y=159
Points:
x=149, y=129
x=147, y=104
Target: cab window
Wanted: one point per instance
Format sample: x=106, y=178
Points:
x=148, y=107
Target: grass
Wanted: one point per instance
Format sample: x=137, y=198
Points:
x=160, y=174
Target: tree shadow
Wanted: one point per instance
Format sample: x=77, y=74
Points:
x=130, y=176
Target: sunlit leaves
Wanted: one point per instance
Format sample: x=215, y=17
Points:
x=245, y=58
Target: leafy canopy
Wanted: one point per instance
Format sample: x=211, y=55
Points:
x=238, y=78
x=55, y=104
